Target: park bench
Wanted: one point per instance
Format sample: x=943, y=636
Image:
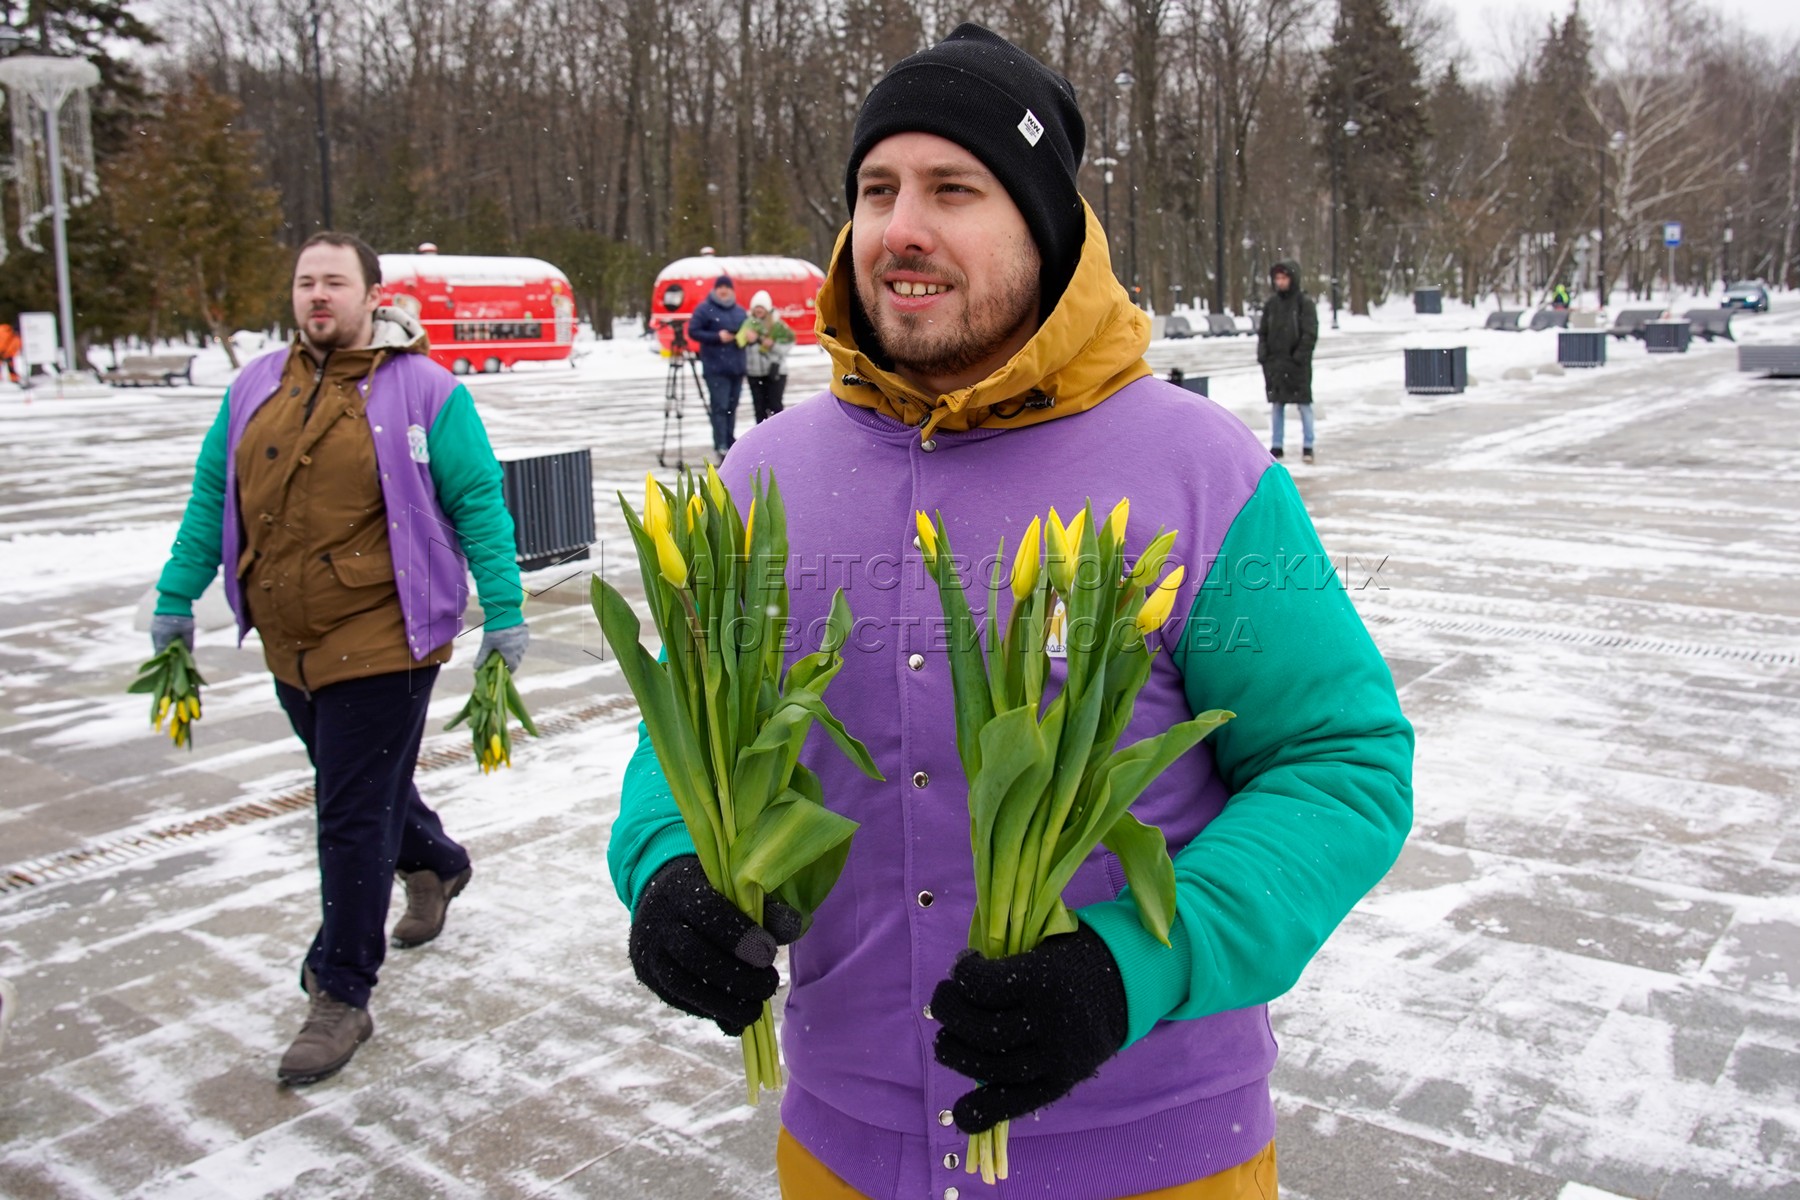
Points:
x=1549, y=318
x=1177, y=328
x=1780, y=361
x=1506, y=320
x=1222, y=325
x=1630, y=322
x=1710, y=323
x=153, y=370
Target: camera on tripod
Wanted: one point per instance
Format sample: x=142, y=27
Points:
x=682, y=352
x=676, y=322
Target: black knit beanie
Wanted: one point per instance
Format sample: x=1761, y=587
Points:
x=1009, y=110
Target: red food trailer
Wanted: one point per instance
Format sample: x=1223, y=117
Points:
x=483, y=312
x=792, y=284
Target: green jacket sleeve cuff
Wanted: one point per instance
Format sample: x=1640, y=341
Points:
x=468, y=481
x=1155, y=975
x=194, y=558
x=649, y=830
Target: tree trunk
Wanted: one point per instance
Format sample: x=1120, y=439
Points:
x=1785, y=278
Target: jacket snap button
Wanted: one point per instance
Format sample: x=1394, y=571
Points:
x=267, y=584
x=916, y=662
x=927, y=1011
x=952, y=1161
x=920, y=779
x=917, y=544
x=267, y=519
x=925, y=899
x=945, y=1116
x=306, y=460
x=272, y=452
x=928, y=445
x=951, y=1194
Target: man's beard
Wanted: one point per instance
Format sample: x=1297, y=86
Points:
x=932, y=347
x=337, y=338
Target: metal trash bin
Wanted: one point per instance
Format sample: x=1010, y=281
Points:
x=1197, y=384
x=1781, y=362
x=1437, y=372
x=551, y=499
x=1428, y=300
x=1668, y=337
x=1581, y=349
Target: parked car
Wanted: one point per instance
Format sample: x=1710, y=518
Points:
x=1747, y=295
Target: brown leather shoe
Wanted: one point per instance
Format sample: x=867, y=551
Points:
x=328, y=1040
x=428, y=897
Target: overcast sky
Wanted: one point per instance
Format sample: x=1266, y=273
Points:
x=1490, y=29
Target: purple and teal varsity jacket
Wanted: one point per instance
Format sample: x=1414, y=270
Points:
x=1278, y=823
x=440, y=485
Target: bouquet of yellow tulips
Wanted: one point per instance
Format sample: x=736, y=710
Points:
x=1046, y=785
x=493, y=697
x=726, y=722
x=173, y=683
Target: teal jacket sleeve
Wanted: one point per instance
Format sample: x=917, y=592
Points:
x=649, y=831
x=194, y=558
x=1318, y=760
x=467, y=478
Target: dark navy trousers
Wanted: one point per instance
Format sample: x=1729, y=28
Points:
x=362, y=736
x=722, y=393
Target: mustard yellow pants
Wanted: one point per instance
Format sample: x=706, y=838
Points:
x=804, y=1177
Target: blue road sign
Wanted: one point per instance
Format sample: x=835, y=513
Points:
x=1671, y=233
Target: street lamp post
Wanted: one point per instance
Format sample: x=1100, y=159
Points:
x=49, y=82
x=1106, y=162
x=1219, y=196
x=320, y=132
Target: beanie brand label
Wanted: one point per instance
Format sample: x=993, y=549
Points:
x=1031, y=127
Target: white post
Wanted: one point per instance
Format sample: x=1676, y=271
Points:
x=65, y=302
x=49, y=82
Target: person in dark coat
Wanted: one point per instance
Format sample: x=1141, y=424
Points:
x=714, y=328
x=1285, y=337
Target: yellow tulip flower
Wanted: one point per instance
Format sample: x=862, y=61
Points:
x=1075, y=528
x=668, y=555
x=750, y=523
x=1062, y=559
x=696, y=509
x=656, y=509
x=716, y=487
x=1156, y=609
x=1025, y=563
x=927, y=535
x=1115, y=524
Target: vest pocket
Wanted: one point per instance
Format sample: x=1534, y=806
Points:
x=347, y=585
x=362, y=570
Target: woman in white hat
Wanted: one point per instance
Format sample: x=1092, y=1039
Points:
x=766, y=339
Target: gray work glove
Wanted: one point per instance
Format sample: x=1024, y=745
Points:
x=166, y=628
x=508, y=643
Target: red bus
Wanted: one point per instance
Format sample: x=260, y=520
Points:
x=483, y=312
x=792, y=284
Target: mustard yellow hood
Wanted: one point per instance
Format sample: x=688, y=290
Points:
x=1091, y=346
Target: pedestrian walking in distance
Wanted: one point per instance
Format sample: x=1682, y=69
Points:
x=1285, y=337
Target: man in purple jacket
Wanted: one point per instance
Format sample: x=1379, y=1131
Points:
x=347, y=487
x=988, y=365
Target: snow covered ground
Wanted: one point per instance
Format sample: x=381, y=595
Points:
x=1579, y=982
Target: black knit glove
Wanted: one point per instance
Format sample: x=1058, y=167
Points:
x=1029, y=1027
x=692, y=947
